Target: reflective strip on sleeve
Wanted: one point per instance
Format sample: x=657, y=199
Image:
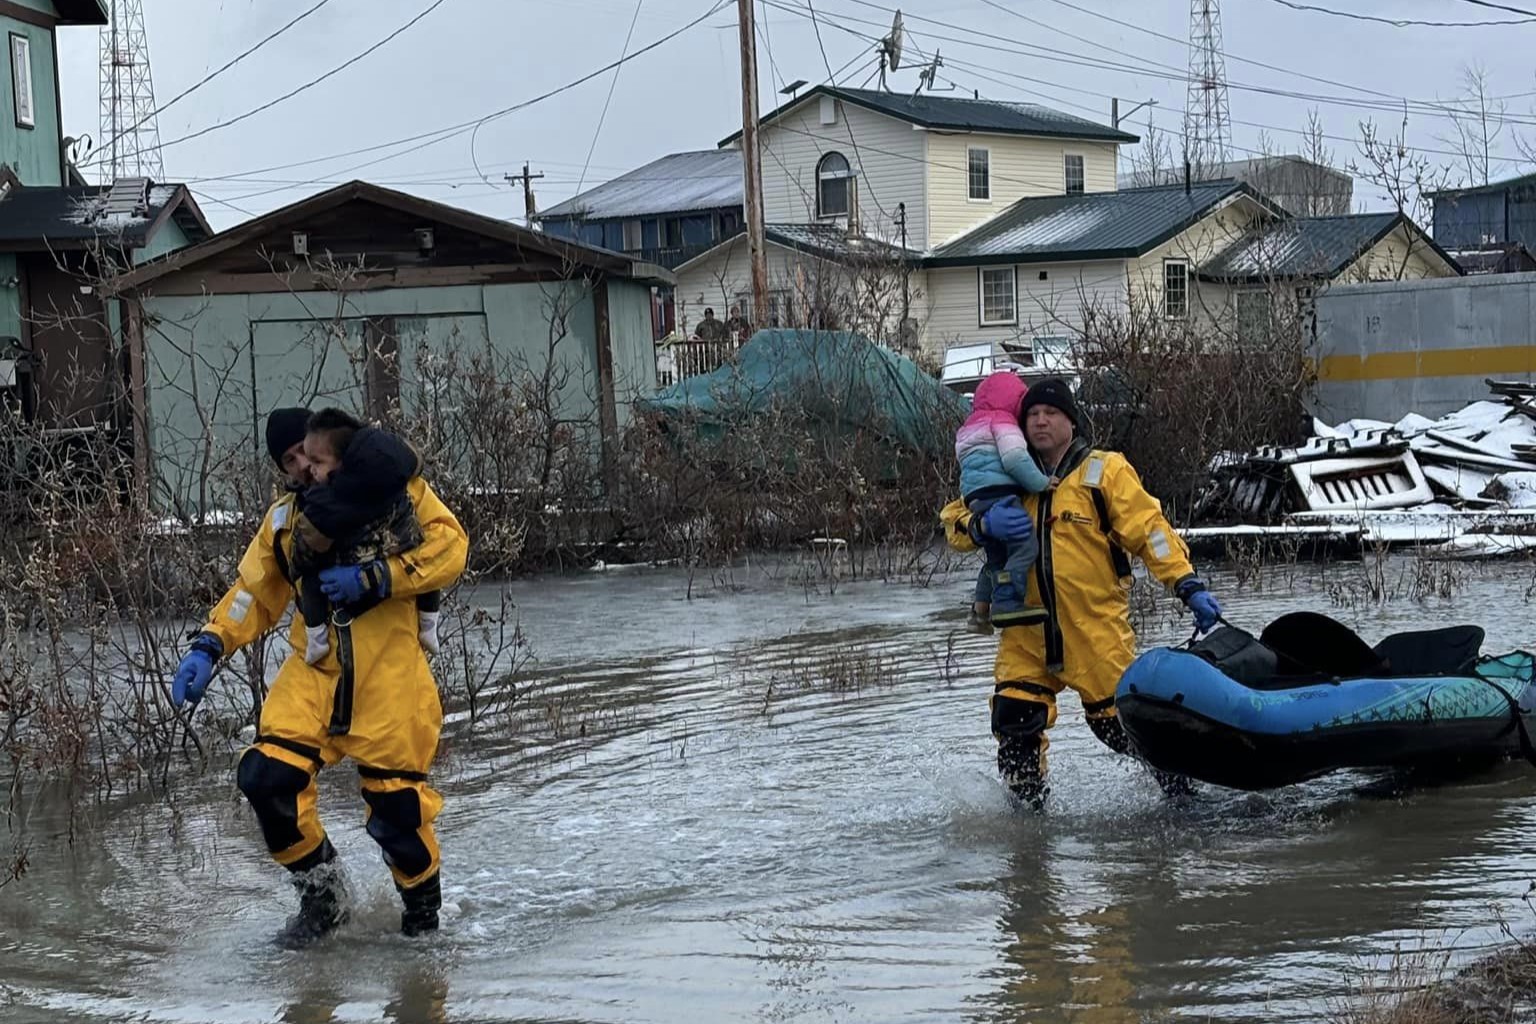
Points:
x=240, y=607
x=1093, y=476
x=280, y=516
x=1160, y=546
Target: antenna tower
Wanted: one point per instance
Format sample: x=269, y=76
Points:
x=130, y=133
x=1207, y=119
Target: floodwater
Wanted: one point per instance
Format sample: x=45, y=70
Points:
x=776, y=803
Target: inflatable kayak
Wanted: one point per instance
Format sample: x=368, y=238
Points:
x=1309, y=697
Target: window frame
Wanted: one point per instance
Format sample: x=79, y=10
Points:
x=21, y=63
x=970, y=193
x=1082, y=175
x=845, y=176
x=634, y=236
x=981, y=296
x=1168, y=264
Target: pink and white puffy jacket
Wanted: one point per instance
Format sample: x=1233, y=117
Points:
x=994, y=457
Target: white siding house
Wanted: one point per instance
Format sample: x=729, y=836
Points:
x=949, y=162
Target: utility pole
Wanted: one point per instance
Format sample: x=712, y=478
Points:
x=906, y=295
x=1115, y=117
x=752, y=164
x=529, y=206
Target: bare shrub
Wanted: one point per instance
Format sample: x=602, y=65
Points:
x=1174, y=394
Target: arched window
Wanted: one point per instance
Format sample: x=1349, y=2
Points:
x=834, y=186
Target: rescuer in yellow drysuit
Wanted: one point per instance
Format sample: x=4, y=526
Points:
x=372, y=697
x=1093, y=515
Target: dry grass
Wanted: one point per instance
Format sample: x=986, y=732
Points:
x=1420, y=988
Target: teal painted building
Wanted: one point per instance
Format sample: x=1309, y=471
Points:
x=60, y=362
x=379, y=302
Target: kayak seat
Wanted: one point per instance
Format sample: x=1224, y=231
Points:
x=1451, y=651
x=1310, y=644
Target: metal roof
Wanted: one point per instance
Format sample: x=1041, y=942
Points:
x=82, y=12
x=825, y=240
x=1493, y=187
x=358, y=195
x=707, y=179
x=1305, y=247
x=962, y=114
x=1092, y=226
x=72, y=216
x=831, y=241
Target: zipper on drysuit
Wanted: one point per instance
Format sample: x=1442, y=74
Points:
x=341, y=705
x=1045, y=578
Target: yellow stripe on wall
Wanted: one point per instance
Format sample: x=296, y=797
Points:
x=1447, y=362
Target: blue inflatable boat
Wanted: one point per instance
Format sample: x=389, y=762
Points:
x=1309, y=697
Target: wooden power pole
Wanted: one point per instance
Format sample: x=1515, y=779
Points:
x=529, y=206
x=752, y=164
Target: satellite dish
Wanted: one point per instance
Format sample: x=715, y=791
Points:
x=892, y=43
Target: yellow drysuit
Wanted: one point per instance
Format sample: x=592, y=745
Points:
x=1086, y=524
x=372, y=698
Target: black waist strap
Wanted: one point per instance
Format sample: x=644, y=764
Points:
x=303, y=750
x=1034, y=688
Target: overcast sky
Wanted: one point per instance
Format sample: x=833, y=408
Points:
x=469, y=58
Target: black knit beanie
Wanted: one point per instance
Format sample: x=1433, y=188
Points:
x=285, y=428
x=1056, y=393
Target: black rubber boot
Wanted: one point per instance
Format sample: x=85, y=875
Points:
x=422, y=903
x=322, y=901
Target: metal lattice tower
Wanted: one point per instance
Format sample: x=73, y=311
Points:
x=1207, y=119
x=130, y=133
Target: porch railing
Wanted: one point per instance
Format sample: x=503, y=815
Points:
x=682, y=359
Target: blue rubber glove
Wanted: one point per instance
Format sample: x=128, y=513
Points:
x=349, y=584
x=1007, y=522
x=1200, y=601
x=196, y=668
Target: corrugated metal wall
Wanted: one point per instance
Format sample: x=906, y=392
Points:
x=1385, y=350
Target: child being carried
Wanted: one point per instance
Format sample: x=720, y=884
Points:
x=996, y=467
x=356, y=513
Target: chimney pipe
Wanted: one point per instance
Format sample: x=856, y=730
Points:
x=1186, y=176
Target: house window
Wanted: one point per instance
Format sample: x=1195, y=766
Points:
x=778, y=309
x=1252, y=316
x=834, y=185
x=997, y=286
x=632, y=236
x=674, y=229
x=979, y=173
x=730, y=224
x=1074, y=174
x=1175, y=289
x=21, y=80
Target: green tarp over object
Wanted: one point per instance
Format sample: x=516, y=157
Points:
x=836, y=377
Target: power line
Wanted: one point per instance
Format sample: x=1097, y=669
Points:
x=988, y=40
x=308, y=85
x=1181, y=78
x=611, y=86
x=444, y=134
x=1397, y=100
x=1399, y=22
x=1500, y=7
x=831, y=78
x=210, y=77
